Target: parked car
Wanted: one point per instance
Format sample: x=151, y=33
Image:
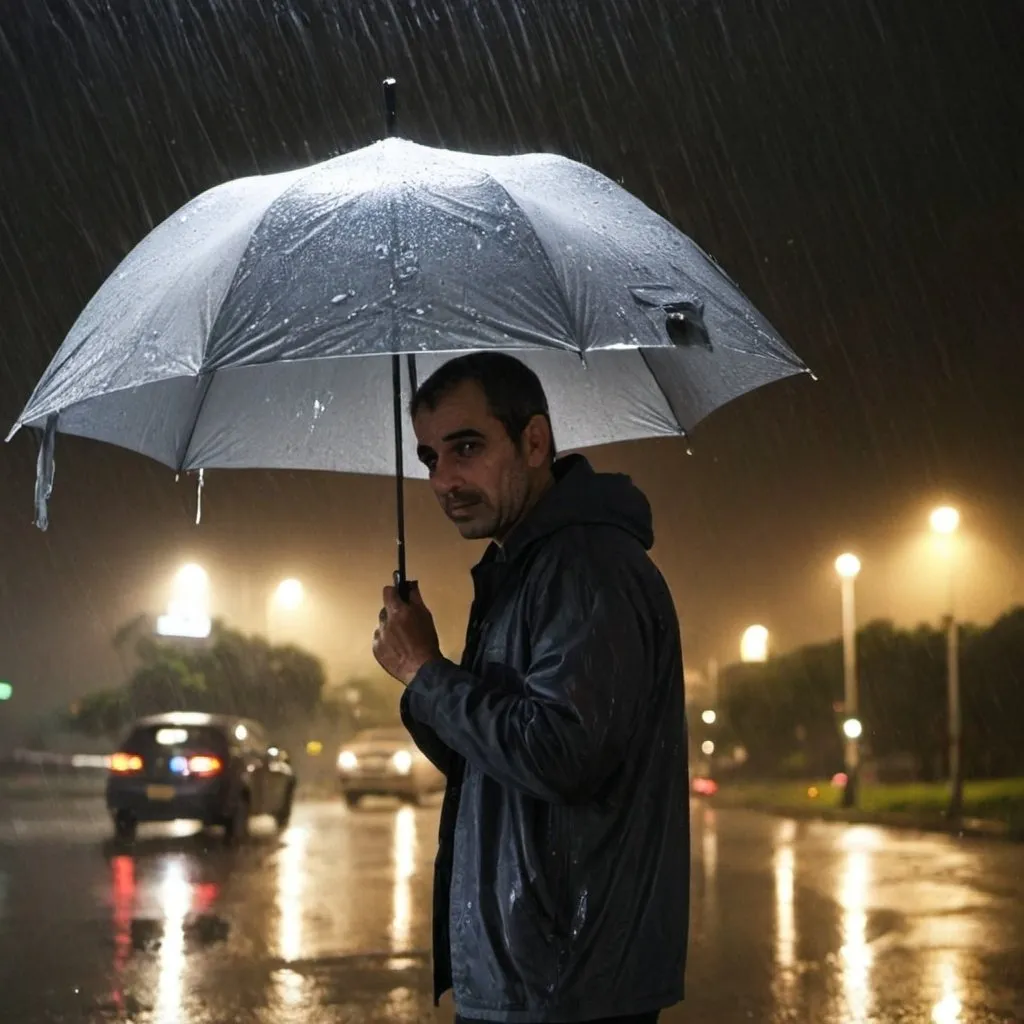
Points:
x=386, y=762
x=216, y=769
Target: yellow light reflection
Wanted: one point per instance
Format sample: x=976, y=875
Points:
x=785, y=918
x=291, y=998
x=175, y=902
x=403, y=856
x=784, y=868
x=291, y=886
x=947, y=1010
x=855, y=955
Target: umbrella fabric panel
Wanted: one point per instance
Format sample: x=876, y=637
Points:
x=155, y=419
x=626, y=271
x=151, y=319
x=337, y=414
x=380, y=252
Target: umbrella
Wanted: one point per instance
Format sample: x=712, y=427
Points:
x=263, y=324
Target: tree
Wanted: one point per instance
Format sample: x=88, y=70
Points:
x=784, y=712
x=230, y=673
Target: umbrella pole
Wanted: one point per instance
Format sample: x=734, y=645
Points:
x=401, y=579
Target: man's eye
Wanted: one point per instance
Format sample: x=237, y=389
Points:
x=466, y=448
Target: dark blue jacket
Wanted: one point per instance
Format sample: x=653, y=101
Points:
x=562, y=878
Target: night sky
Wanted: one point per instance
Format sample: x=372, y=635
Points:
x=858, y=167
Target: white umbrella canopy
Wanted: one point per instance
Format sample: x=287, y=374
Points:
x=253, y=328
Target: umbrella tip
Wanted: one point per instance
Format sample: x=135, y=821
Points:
x=390, y=106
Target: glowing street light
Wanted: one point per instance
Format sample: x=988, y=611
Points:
x=708, y=747
x=853, y=729
x=945, y=521
x=289, y=594
x=708, y=717
x=188, y=611
x=848, y=566
x=754, y=644
x=281, y=605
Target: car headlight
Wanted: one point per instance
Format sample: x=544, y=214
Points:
x=347, y=761
x=402, y=760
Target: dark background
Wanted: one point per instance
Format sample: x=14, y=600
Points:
x=857, y=166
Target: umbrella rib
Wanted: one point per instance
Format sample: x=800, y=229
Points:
x=664, y=393
x=205, y=380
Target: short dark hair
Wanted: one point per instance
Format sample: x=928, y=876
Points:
x=513, y=391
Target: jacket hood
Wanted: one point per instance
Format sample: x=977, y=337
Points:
x=581, y=497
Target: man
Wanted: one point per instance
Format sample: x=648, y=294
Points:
x=561, y=883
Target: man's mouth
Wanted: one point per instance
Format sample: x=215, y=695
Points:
x=461, y=508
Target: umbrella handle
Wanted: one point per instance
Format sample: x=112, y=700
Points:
x=404, y=587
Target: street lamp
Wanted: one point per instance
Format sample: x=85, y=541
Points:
x=754, y=644
x=287, y=596
x=708, y=717
x=848, y=568
x=945, y=521
x=188, y=613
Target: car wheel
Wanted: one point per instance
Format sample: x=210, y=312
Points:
x=236, y=828
x=125, y=827
x=352, y=800
x=284, y=815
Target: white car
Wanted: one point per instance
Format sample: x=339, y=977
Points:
x=386, y=762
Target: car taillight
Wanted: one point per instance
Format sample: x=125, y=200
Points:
x=198, y=764
x=125, y=764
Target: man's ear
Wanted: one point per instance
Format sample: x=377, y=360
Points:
x=537, y=442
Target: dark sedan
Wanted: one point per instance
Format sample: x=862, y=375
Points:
x=216, y=769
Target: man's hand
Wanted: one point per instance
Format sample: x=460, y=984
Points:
x=405, y=640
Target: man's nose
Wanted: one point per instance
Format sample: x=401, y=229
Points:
x=446, y=478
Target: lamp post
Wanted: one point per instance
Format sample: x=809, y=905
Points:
x=945, y=521
x=848, y=568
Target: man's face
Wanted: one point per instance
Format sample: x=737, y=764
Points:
x=481, y=479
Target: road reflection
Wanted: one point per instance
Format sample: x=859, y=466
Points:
x=403, y=858
x=291, y=886
x=122, y=869
x=175, y=897
x=784, y=870
x=949, y=1007
x=855, y=955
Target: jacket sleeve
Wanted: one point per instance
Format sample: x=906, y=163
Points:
x=559, y=731
x=437, y=752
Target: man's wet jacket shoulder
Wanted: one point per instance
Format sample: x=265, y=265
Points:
x=562, y=877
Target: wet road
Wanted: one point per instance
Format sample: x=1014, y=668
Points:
x=328, y=922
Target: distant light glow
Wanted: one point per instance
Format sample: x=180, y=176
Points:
x=945, y=519
x=853, y=728
x=709, y=717
x=402, y=760
x=708, y=747
x=241, y=732
x=314, y=748
x=289, y=594
x=5, y=691
x=347, y=761
x=848, y=566
x=754, y=644
x=191, y=624
x=191, y=580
